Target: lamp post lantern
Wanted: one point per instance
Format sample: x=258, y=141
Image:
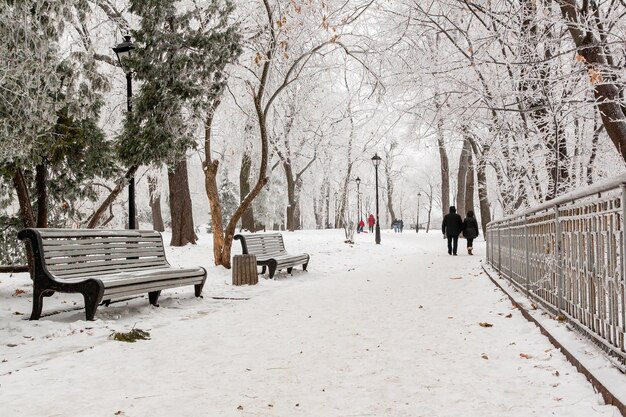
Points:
x=123, y=51
x=358, y=199
x=376, y=161
x=417, y=219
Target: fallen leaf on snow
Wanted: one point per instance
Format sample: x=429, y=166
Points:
x=485, y=324
x=18, y=292
x=456, y=277
x=508, y=316
x=525, y=356
x=484, y=356
x=240, y=407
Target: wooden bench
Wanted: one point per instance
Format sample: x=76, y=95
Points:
x=103, y=265
x=270, y=252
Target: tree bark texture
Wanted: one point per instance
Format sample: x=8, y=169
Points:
x=607, y=93
x=247, y=219
x=180, y=205
x=26, y=212
x=481, y=176
x=155, y=205
x=445, y=170
x=462, y=177
x=469, y=183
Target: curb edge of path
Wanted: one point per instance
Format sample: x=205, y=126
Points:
x=607, y=395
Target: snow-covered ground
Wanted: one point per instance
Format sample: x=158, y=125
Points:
x=389, y=330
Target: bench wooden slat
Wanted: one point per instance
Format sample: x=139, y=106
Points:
x=118, y=292
x=108, y=241
x=97, y=267
x=50, y=233
x=70, y=260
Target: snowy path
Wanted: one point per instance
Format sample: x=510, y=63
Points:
x=390, y=330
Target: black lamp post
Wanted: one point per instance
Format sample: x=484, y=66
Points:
x=358, y=199
x=123, y=51
x=376, y=161
x=417, y=220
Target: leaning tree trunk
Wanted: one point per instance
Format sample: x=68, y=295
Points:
x=181, y=210
x=155, y=204
x=247, y=220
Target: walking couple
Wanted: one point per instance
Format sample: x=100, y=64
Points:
x=453, y=225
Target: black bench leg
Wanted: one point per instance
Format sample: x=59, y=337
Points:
x=92, y=293
x=38, y=296
x=304, y=266
x=153, y=296
x=198, y=289
x=272, y=267
x=289, y=270
x=263, y=268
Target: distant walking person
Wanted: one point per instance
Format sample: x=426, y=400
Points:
x=470, y=230
x=452, y=226
x=401, y=224
x=360, y=227
x=371, y=221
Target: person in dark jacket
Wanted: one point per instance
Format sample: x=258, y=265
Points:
x=452, y=226
x=470, y=230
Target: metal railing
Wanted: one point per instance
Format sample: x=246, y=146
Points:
x=568, y=255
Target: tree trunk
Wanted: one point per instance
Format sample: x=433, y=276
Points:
x=469, y=183
x=291, y=196
x=389, y=179
x=327, y=204
x=607, y=93
x=180, y=205
x=445, y=170
x=41, y=179
x=155, y=205
x=462, y=177
x=21, y=188
x=26, y=212
x=247, y=219
x=481, y=175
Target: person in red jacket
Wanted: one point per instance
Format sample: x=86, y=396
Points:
x=371, y=221
x=360, y=227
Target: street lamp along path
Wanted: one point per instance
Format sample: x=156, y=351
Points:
x=123, y=52
x=376, y=161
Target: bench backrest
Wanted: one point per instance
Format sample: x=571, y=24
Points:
x=263, y=244
x=68, y=253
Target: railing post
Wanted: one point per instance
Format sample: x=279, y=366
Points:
x=559, y=260
x=622, y=255
x=527, y=255
x=510, y=252
x=499, y=251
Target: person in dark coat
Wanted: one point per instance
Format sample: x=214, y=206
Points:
x=470, y=230
x=452, y=226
